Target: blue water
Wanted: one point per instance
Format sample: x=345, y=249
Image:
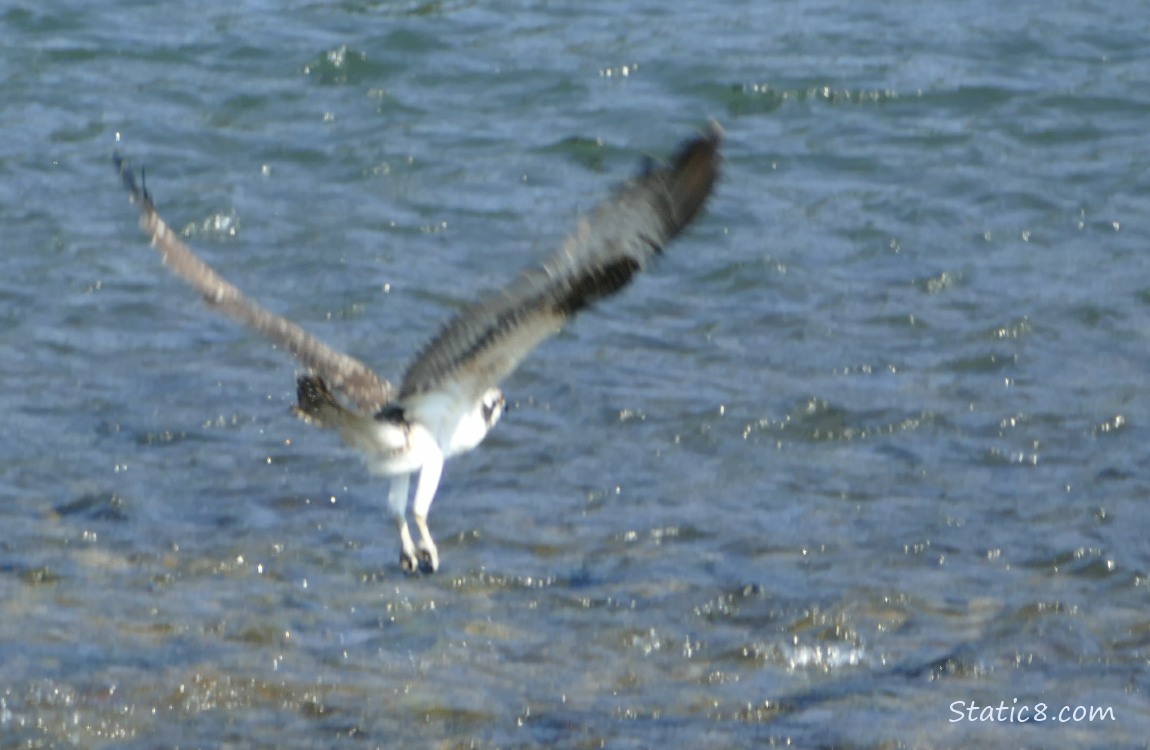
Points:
x=868, y=445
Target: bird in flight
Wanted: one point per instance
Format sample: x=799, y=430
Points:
x=449, y=397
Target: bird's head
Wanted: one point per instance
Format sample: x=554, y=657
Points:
x=492, y=406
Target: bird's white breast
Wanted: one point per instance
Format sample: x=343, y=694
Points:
x=454, y=421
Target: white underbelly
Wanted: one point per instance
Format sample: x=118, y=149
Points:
x=456, y=425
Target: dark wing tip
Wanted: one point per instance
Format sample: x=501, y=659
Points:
x=676, y=193
x=138, y=191
x=693, y=174
x=704, y=147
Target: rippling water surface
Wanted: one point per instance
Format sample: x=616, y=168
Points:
x=870, y=443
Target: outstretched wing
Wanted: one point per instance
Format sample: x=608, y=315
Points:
x=355, y=379
x=488, y=339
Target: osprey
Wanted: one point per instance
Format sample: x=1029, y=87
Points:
x=449, y=397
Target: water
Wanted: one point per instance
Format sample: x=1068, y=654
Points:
x=869, y=442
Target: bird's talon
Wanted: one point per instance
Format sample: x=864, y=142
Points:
x=428, y=559
x=408, y=563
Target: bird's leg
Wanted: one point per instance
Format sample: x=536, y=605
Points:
x=424, y=494
x=397, y=504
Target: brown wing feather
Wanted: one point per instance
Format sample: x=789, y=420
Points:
x=488, y=339
x=341, y=371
